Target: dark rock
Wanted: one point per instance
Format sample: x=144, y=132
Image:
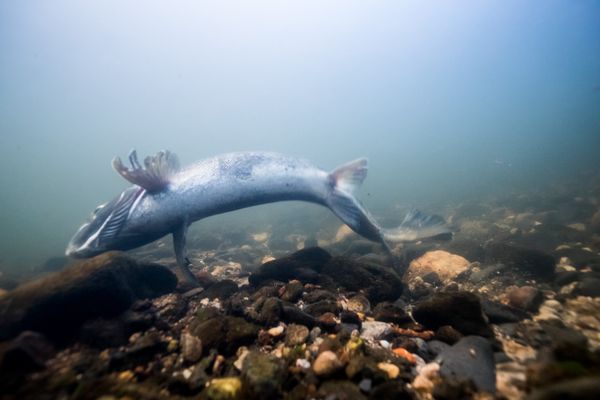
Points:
x=103, y=286
x=225, y=333
x=566, y=343
x=302, y=265
x=27, y=353
x=469, y=249
x=388, y=312
x=349, y=317
x=295, y=335
x=322, y=307
x=448, y=334
x=487, y=273
x=461, y=310
x=361, y=247
x=534, y=263
x=435, y=347
x=318, y=295
x=579, y=257
x=339, y=390
x=588, y=286
x=378, y=282
x=295, y=315
x=221, y=290
x=471, y=358
x=392, y=390
x=499, y=313
x=262, y=375
x=143, y=350
x=292, y=292
x=363, y=367
x=565, y=277
x=433, y=279
x=328, y=322
x=271, y=311
x=102, y=333
x=586, y=388
x=525, y=298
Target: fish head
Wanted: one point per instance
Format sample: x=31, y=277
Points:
x=103, y=229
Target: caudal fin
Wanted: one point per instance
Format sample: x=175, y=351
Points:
x=417, y=226
x=348, y=177
x=344, y=181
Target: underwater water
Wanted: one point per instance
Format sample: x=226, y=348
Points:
x=484, y=113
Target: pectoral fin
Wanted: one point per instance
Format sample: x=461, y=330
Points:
x=154, y=176
x=179, y=245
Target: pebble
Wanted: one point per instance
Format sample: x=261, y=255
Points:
x=191, y=347
x=470, y=358
x=276, y=331
x=326, y=363
x=375, y=330
x=407, y=355
x=296, y=334
x=302, y=363
x=391, y=370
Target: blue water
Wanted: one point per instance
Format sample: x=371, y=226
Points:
x=448, y=100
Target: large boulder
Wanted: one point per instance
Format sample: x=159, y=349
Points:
x=315, y=265
x=446, y=265
x=59, y=303
x=461, y=310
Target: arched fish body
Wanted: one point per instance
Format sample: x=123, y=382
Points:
x=166, y=199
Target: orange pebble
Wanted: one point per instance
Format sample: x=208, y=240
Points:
x=407, y=355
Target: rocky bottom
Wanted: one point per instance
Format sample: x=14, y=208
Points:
x=508, y=309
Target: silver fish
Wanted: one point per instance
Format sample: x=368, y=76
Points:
x=166, y=199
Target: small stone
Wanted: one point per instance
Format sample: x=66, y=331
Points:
x=302, y=363
x=262, y=374
x=391, y=370
x=126, y=376
x=358, y=304
x=224, y=389
x=191, y=347
x=375, y=330
x=525, y=298
x=365, y=385
x=292, y=292
x=578, y=226
x=327, y=363
x=407, y=355
x=446, y=265
x=296, y=334
x=241, y=353
x=471, y=359
x=276, y=331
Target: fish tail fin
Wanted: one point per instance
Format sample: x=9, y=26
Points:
x=344, y=181
x=348, y=177
x=417, y=226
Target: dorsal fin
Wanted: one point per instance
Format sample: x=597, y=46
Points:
x=154, y=176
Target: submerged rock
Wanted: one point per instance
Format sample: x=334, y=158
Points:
x=461, y=310
x=26, y=353
x=301, y=265
x=225, y=333
x=103, y=286
x=446, y=266
x=533, y=263
x=262, y=375
x=470, y=359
